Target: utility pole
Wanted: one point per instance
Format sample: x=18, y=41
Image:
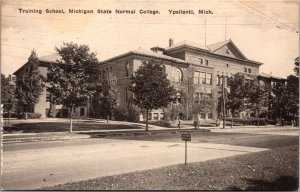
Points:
x=223, y=100
x=225, y=28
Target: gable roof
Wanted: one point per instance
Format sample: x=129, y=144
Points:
x=216, y=46
x=213, y=47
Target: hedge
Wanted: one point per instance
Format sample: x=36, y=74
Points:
x=30, y=116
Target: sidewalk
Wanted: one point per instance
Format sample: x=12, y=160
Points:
x=54, y=136
x=248, y=128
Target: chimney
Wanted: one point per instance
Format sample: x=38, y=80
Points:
x=171, y=42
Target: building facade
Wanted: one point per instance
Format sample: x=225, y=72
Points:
x=43, y=105
x=192, y=69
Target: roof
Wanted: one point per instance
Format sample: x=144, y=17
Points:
x=270, y=76
x=144, y=52
x=50, y=58
x=215, y=46
x=53, y=58
x=187, y=43
x=211, y=48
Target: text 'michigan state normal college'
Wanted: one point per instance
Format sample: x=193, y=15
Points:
x=115, y=11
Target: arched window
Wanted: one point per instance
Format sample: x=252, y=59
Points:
x=176, y=75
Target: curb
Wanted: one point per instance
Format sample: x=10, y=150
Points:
x=9, y=139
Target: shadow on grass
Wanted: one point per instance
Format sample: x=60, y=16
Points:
x=283, y=183
x=41, y=127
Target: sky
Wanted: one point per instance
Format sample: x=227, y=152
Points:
x=264, y=30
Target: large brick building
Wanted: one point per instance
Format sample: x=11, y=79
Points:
x=193, y=70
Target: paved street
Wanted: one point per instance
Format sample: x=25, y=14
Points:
x=35, y=165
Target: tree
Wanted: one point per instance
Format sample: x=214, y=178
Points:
x=207, y=103
x=151, y=88
x=292, y=100
x=7, y=95
x=106, y=98
x=236, y=94
x=278, y=100
x=73, y=80
x=258, y=97
x=30, y=83
x=296, y=68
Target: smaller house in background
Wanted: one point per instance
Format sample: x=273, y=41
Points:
x=43, y=104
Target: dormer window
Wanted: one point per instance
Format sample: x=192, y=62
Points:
x=227, y=51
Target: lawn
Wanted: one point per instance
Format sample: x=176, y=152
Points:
x=63, y=126
x=275, y=169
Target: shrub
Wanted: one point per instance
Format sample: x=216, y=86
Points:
x=30, y=116
x=120, y=114
x=53, y=112
x=160, y=123
x=130, y=113
x=247, y=121
x=133, y=113
x=12, y=115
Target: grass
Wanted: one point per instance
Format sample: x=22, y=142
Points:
x=40, y=127
x=275, y=169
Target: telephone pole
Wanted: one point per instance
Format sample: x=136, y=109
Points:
x=223, y=100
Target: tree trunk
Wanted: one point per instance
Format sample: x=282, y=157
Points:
x=9, y=117
x=71, y=118
x=147, y=120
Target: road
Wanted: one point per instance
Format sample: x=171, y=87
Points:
x=35, y=165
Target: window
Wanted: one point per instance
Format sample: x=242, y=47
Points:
x=245, y=70
x=126, y=69
x=227, y=65
x=218, y=80
x=249, y=70
x=197, y=97
x=177, y=99
x=48, y=95
x=202, y=115
x=206, y=62
x=155, y=116
x=202, y=78
x=201, y=60
x=150, y=116
x=176, y=75
x=47, y=112
x=196, y=77
x=208, y=79
x=110, y=68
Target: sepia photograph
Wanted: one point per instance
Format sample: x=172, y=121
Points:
x=149, y=95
